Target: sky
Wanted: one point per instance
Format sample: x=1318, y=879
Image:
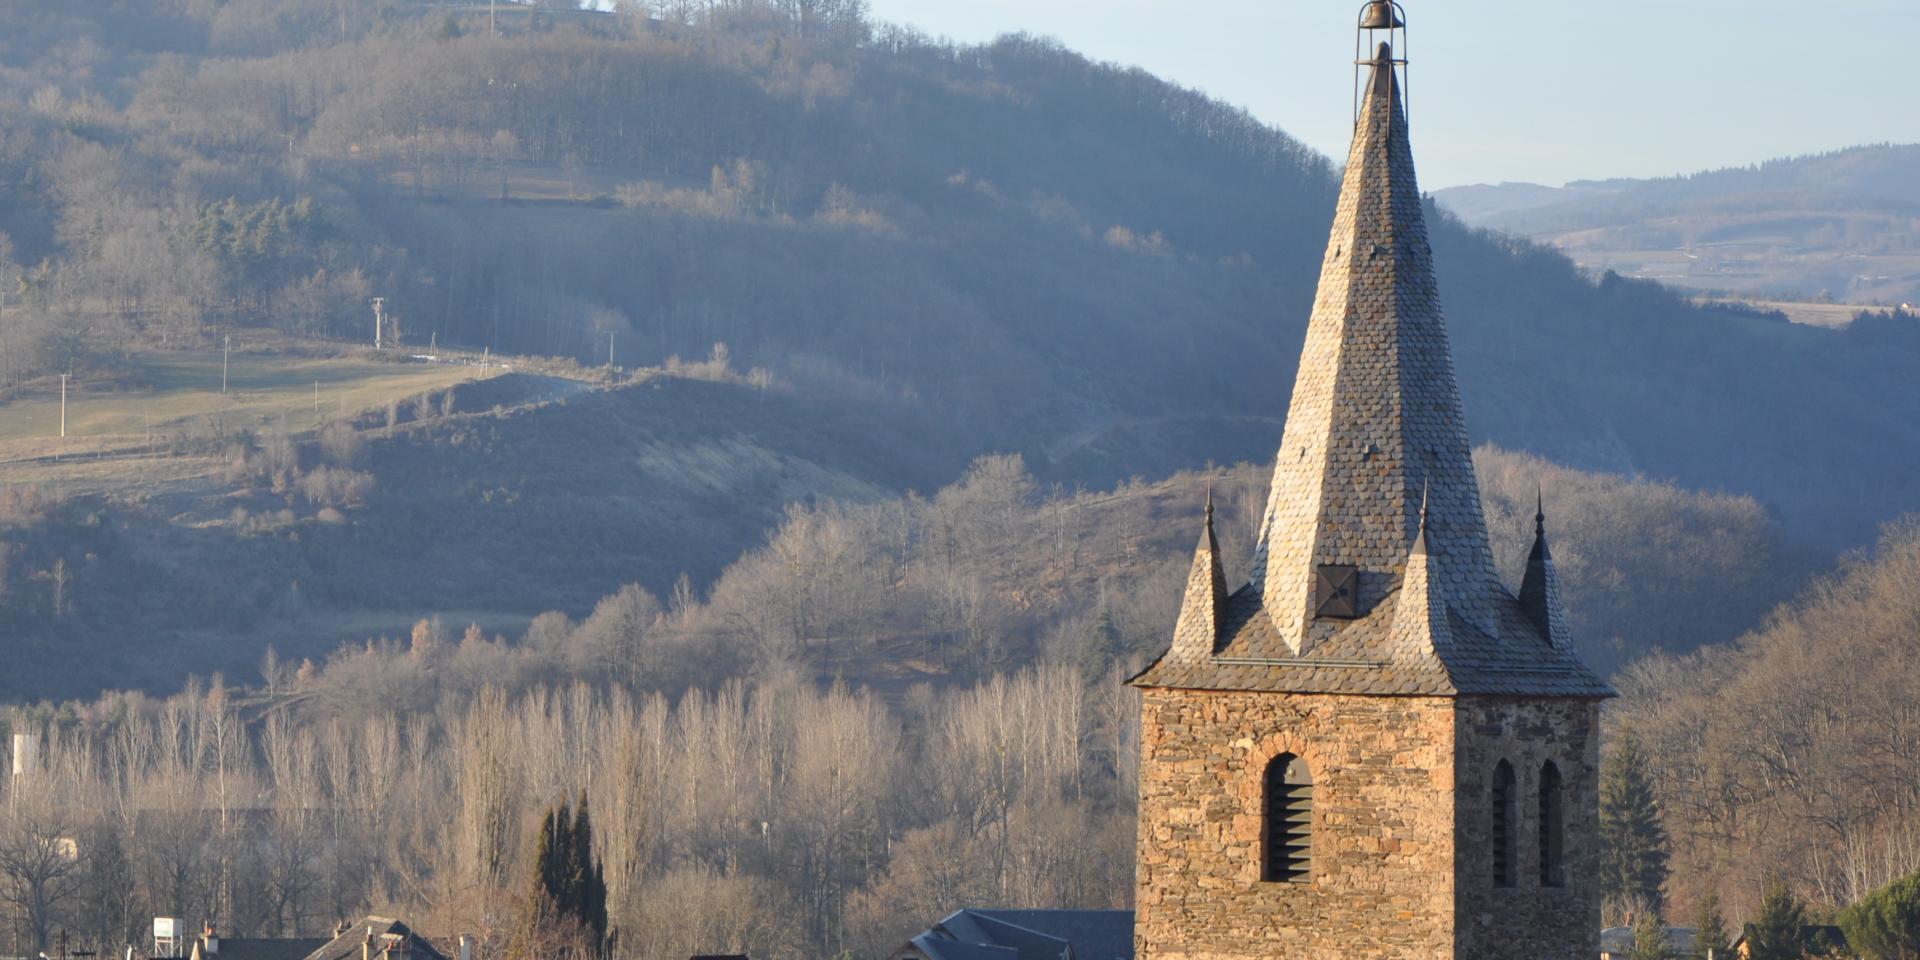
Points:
x=1505, y=90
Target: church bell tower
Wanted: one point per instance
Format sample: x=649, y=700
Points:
x=1374, y=748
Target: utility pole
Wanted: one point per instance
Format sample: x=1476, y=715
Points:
x=63, y=404
x=379, y=315
x=226, y=348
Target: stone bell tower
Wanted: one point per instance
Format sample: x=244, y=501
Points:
x=1374, y=749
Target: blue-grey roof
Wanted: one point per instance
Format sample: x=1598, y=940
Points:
x=1028, y=935
x=384, y=933
x=1618, y=941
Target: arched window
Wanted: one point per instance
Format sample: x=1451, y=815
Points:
x=1552, y=828
x=1288, y=812
x=1503, y=820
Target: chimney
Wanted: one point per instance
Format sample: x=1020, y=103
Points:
x=466, y=946
x=366, y=946
x=209, y=940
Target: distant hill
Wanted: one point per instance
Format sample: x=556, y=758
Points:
x=1842, y=225
x=933, y=252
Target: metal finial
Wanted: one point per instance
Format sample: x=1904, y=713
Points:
x=1539, y=510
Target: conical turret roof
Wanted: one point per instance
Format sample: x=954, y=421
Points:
x=1540, y=586
x=1198, y=627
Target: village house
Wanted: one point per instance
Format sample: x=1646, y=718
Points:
x=372, y=938
x=1616, y=943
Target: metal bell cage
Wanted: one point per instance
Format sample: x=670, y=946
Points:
x=1378, y=17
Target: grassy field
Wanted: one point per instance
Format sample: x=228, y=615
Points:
x=174, y=393
x=1812, y=314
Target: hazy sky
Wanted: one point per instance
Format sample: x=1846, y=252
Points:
x=1547, y=91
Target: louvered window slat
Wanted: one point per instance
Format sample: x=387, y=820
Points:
x=1288, y=800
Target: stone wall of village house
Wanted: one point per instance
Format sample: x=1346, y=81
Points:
x=1528, y=920
x=1382, y=874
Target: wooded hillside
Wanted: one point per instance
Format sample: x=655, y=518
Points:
x=999, y=248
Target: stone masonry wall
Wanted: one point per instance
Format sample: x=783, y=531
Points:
x=1528, y=920
x=1383, y=866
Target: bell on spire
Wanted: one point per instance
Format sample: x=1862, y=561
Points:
x=1381, y=15
x=1382, y=31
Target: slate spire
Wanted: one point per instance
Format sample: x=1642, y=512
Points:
x=1198, y=628
x=1372, y=574
x=1540, y=586
x=1375, y=415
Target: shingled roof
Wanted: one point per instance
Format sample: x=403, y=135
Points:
x=975, y=934
x=1375, y=473
x=376, y=938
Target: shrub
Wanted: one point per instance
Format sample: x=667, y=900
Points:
x=1885, y=924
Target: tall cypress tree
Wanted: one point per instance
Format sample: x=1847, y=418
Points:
x=589, y=884
x=1633, y=843
x=545, y=848
x=569, y=886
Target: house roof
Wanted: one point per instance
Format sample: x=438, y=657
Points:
x=1618, y=941
x=1028, y=935
x=1374, y=457
x=259, y=948
x=385, y=932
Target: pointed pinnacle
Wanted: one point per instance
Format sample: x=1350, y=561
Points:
x=1420, y=539
x=1539, y=510
x=1382, y=81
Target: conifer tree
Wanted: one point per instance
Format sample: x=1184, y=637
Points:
x=1885, y=924
x=1650, y=938
x=1633, y=842
x=1100, y=643
x=569, y=887
x=1710, y=931
x=588, y=878
x=1776, y=933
